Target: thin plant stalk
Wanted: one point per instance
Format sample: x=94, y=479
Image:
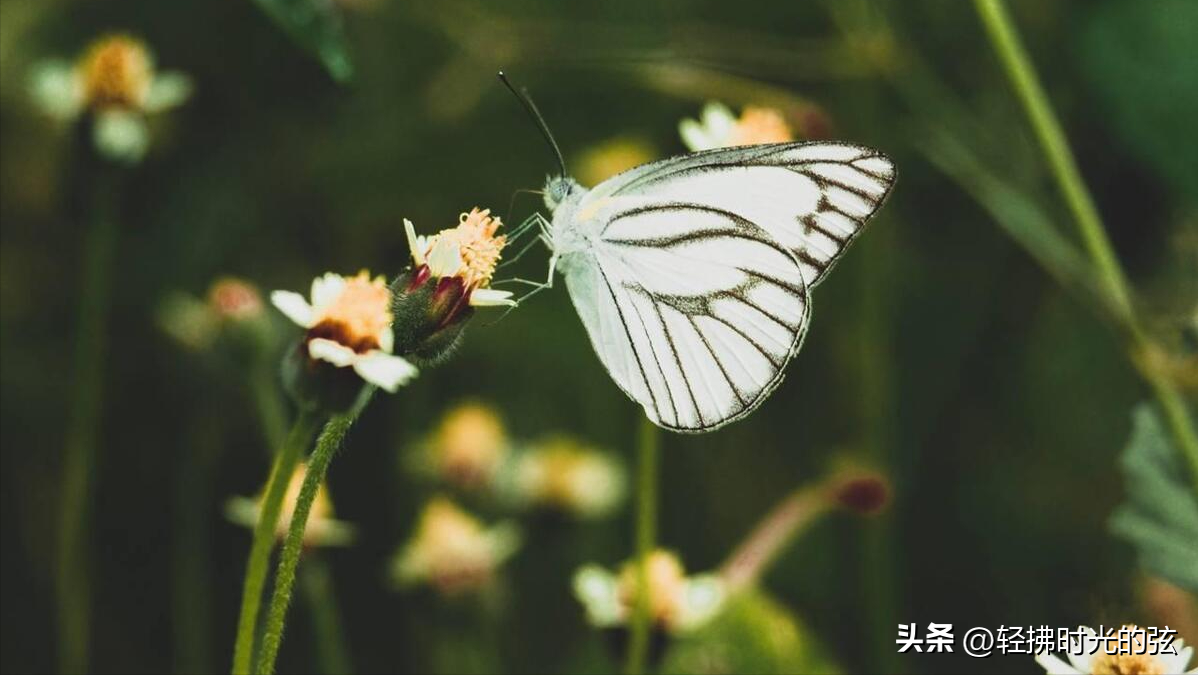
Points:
x=647, y=449
x=766, y=542
x=73, y=583
x=318, y=466
x=192, y=620
x=1005, y=40
x=331, y=653
x=264, y=535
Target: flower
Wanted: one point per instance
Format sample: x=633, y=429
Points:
x=115, y=80
x=468, y=447
x=611, y=157
x=321, y=529
x=451, y=274
x=349, y=325
x=677, y=603
x=234, y=299
x=198, y=324
x=717, y=127
x=563, y=474
x=453, y=551
x=1118, y=657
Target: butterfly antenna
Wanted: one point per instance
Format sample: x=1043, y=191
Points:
x=531, y=107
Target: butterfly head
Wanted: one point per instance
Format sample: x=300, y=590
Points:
x=558, y=189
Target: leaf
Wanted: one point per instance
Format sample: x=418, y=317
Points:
x=316, y=26
x=752, y=634
x=1160, y=514
x=1139, y=58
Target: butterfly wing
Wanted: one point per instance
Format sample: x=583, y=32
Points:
x=693, y=310
x=812, y=198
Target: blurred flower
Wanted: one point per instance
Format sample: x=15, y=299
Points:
x=196, y=324
x=349, y=325
x=321, y=529
x=611, y=157
x=563, y=474
x=115, y=81
x=452, y=551
x=450, y=275
x=677, y=603
x=468, y=446
x=1126, y=657
x=717, y=127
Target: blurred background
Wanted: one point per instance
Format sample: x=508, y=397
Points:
x=995, y=397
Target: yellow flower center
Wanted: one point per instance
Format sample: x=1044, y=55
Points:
x=471, y=443
x=666, y=580
x=358, y=316
x=235, y=299
x=478, y=245
x=117, y=72
x=1126, y=664
x=760, y=125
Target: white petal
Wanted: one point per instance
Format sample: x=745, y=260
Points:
x=384, y=370
x=334, y=352
x=293, y=306
x=168, y=90
x=719, y=121
x=55, y=87
x=1054, y=666
x=326, y=289
x=489, y=297
x=121, y=136
x=1083, y=660
x=387, y=340
x=414, y=244
x=445, y=259
x=1176, y=663
x=242, y=511
x=694, y=136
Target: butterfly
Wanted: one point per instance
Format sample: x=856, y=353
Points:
x=693, y=274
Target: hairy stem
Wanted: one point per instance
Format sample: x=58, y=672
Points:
x=264, y=536
x=646, y=536
x=318, y=466
x=1010, y=50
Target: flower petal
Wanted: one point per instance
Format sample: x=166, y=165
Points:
x=384, y=370
x=335, y=353
x=326, y=289
x=1055, y=666
x=414, y=243
x=387, y=340
x=55, y=87
x=445, y=259
x=121, y=136
x=489, y=297
x=718, y=120
x=168, y=90
x=694, y=136
x=293, y=306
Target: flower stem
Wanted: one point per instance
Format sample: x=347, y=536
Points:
x=763, y=545
x=646, y=535
x=73, y=584
x=1053, y=142
x=264, y=535
x=318, y=466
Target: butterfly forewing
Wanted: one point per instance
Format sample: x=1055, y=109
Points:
x=693, y=310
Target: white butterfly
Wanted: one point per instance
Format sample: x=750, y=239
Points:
x=693, y=275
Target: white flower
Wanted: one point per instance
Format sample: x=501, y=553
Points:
x=349, y=325
x=563, y=474
x=116, y=80
x=677, y=603
x=1100, y=661
x=453, y=551
x=469, y=252
x=320, y=530
x=717, y=127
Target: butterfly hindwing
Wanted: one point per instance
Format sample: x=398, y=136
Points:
x=693, y=310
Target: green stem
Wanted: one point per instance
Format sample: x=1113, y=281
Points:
x=264, y=536
x=272, y=413
x=1053, y=142
x=318, y=466
x=326, y=621
x=646, y=535
x=73, y=584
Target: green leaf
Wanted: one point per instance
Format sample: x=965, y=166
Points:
x=1160, y=515
x=314, y=25
x=752, y=634
x=1139, y=58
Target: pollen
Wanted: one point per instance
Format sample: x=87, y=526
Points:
x=116, y=72
x=478, y=245
x=760, y=125
x=358, y=316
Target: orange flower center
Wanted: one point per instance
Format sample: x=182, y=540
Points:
x=358, y=316
x=479, y=247
x=760, y=125
x=116, y=73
